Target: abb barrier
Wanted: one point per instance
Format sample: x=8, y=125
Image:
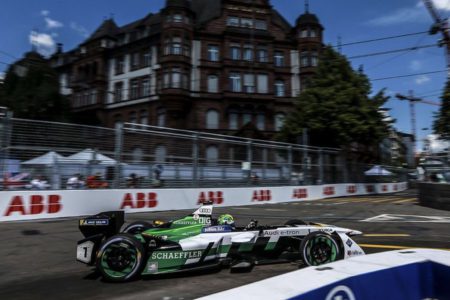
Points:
x=29, y=205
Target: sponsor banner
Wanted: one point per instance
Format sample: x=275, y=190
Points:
x=31, y=205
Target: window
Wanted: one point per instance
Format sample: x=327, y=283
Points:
x=312, y=33
x=261, y=24
x=135, y=60
x=278, y=59
x=262, y=54
x=212, y=154
x=263, y=83
x=177, y=18
x=132, y=117
x=279, y=88
x=304, y=59
x=304, y=33
x=117, y=120
x=235, y=82
x=145, y=87
x=246, y=118
x=279, y=121
x=246, y=22
x=146, y=59
x=213, y=84
x=175, y=78
x=248, y=52
x=233, y=121
x=160, y=153
x=118, y=91
x=176, y=48
x=213, y=53
x=161, y=117
x=212, y=119
x=137, y=155
x=235, y=51
x=134, y=89
x=143, y=116
x=314, y=59
x=249, y=83
x=261, y=121
x=120, y=63
x=233, y=21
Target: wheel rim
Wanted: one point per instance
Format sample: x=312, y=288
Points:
x=320, y=250
x=119, y=259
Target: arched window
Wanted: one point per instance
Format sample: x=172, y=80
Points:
x=137, y=154
x=143, y=115
x=132, y=118
x=233, y=121
x=261, y=121
x=212, y=119
x=279, y=121
x=160, y=154
x=213, y=84
x=212, y=154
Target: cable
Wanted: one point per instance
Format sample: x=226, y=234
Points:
x=408, y=75
x=7, y=54
x=393, y=51
x=381, y=39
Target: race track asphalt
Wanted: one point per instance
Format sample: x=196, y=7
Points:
x=37, y=259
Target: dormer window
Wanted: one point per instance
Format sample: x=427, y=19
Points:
x=177, y=18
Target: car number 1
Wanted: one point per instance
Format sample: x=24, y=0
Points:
x=84, y=251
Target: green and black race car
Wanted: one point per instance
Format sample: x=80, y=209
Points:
x=198, y=241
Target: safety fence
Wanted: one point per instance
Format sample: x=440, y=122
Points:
x=48, y=155
x=29, y=205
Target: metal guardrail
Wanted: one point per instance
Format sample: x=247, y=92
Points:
x=133, y=155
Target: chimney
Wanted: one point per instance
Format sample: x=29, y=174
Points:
x=59, y=48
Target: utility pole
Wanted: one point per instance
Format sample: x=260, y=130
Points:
x=412, y=101
x=441, y=26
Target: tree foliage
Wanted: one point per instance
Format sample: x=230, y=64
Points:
x=441, y=123
x=336, y=107
x=31, y=90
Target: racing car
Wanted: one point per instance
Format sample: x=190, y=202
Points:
x=199, y=241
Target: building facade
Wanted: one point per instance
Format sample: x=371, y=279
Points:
x=225, y=66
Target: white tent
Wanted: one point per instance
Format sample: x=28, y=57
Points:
x=89, y=156
x=48, y=158
x=377, y=171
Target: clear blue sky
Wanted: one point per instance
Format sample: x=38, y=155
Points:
x=70, y=21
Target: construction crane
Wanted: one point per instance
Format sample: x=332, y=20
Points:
x=412, y=101
x=440, y=25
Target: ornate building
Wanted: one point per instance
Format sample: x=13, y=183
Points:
x=224, y=66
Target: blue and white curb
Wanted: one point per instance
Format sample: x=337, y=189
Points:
x=415, y=274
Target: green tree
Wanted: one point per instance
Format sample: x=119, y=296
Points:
x=441, y=123
x=31, y=90
x=336, y=108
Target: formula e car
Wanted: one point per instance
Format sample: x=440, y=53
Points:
x=198, y=241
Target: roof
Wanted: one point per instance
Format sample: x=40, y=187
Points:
x=308, y=19
x=107, y=28
x=206, y=10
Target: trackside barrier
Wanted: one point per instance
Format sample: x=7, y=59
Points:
x=415, y=274
x=31, y=205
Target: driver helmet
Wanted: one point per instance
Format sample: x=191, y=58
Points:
x=226, y=220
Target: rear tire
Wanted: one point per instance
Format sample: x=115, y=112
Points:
x=120, y=258
x=137, y=227
x=319, y=248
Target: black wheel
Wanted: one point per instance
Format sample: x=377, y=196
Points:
x=137, y=227
x=319, y=248
x=295, y=222
x=120, y=258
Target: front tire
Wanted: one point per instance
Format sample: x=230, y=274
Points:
x=120, y=258
x=319, y=248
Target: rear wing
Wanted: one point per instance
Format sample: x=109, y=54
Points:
x=105, y=223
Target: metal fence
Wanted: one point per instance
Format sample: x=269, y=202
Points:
x=38, y=154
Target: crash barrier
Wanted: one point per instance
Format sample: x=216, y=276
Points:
x=29, y=205
x=414, y=274
x=435, y=195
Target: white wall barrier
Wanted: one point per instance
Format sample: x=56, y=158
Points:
x=415, y=274
x=31, y=205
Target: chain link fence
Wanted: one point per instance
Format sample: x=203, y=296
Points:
x=44, y=155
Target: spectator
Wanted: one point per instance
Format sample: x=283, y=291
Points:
x=254, y=178
x=132, y=181
x=39, y=183
x=157, y=170
x=75, y=182
x=96, y=182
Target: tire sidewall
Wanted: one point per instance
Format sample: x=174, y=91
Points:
x=312, y=236
x=140, y=256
